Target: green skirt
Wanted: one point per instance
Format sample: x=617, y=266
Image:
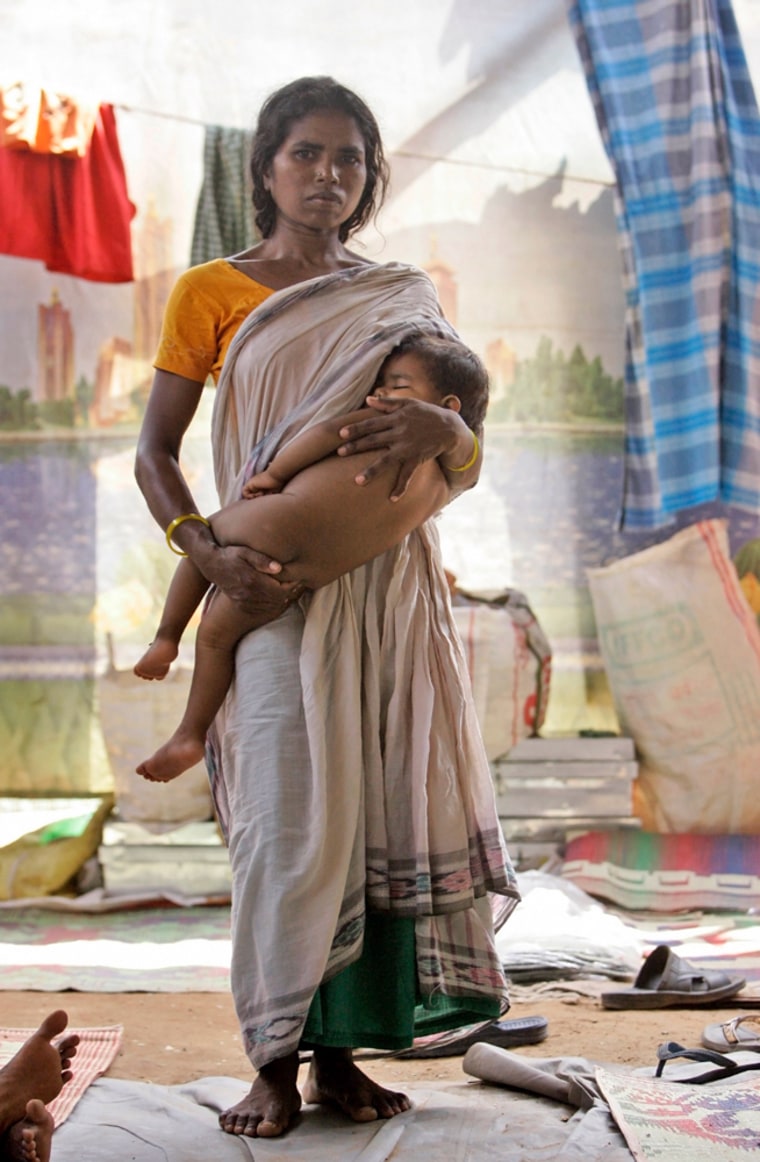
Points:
x=375, y=1003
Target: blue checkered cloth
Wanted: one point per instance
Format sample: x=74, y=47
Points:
x=679, y=120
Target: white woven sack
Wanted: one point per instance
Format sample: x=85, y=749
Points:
x=509, y=663
x=682, y=651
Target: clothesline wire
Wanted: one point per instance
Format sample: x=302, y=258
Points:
x=514, y=169
x=400, y=152
x=158, y=113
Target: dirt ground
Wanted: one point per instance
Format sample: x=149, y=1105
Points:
x=174, y=1038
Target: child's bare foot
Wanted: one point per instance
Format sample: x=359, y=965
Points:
x=333, y=1079
x=181, y=752
x=29, y=1139
x=268, y=1110
x=39, y=1070
x=155, y=662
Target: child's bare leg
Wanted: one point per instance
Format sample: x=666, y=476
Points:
x=264, y=524
x=186, y=592
x=222, y=627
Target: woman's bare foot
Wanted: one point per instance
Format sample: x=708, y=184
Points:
x=29, y=1139
x=272, y=1104
x=334, y=1079
x=39, y=1070
x=181, y=752
x=157, y=659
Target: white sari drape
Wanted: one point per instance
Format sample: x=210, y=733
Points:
x=347, y=764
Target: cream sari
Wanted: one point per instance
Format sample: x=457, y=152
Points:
x=347, y=764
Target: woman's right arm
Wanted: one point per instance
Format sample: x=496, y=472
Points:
x=247, y=577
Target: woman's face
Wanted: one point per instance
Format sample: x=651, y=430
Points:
x=318, y=174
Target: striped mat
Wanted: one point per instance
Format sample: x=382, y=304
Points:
x=156, y=949
x=96, y=1051
x=641, y=870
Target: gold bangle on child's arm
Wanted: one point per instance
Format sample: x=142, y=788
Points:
x=178, y=520
x=471, y=461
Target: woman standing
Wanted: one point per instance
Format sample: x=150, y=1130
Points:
x=346, y=765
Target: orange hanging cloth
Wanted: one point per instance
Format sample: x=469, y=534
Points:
x=70, y=211
x=44, y=121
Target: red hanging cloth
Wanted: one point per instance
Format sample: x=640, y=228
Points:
x=72, y=213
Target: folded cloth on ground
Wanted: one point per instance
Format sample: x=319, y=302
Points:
x=557, y=931
x=523, y=966
x=96, y=1051
x=490, y=1063
x=569, y=1081
x=741, y=1032
x=666, y=979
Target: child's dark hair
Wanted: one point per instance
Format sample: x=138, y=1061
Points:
x=455, y=370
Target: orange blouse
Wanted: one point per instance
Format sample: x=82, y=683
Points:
x=205, y=308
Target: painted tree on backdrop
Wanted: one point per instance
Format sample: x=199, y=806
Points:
x=551, y=388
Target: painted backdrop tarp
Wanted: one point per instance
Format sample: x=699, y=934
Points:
x=501, y=190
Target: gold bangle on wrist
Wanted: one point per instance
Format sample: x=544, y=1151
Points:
x=471, y=461
x=178, y=520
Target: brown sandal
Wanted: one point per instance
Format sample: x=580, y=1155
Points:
x=665, y=979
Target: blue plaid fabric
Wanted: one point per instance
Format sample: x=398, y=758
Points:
x=677, y=112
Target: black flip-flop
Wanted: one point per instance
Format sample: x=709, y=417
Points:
x=507, y=1034
x=665, y=979
x=723, y=1066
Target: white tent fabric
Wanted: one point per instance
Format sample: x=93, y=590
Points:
x=501, y=190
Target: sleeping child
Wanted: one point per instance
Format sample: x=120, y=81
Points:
x=306, y=511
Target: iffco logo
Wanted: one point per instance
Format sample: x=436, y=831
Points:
x=650, y=639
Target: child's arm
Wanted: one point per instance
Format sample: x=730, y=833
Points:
x=308, y=448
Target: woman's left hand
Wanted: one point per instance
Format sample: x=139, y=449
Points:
x=406, y=432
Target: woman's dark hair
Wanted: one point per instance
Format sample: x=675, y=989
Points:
x=279, y=113
x=454, y=370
